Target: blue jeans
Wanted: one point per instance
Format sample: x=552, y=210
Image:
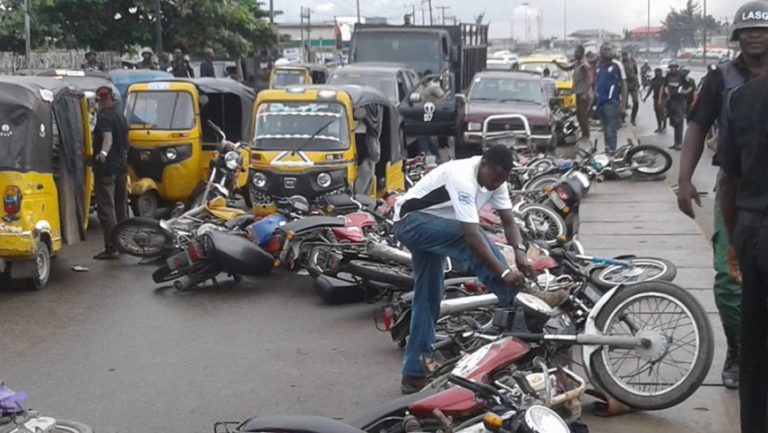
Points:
x=609, y=118
x=427, y=146
x=430, y=239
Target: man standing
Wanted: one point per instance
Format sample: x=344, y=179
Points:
x=633, y=84
x=708, y=107
x=180, y=67
x=674, y=97
x=92, y=62
x=439, y=218
x=582, y=88
x=206, y=68
x=110, y=145
x=548, y=85
x=645, y=70
x=654, y=88
x=611, y=95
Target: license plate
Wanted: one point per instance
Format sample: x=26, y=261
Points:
x=179, y=261
x=556, y=200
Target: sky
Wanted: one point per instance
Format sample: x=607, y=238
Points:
x=612, y=15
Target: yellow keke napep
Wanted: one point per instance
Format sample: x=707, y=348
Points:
x=296, y=74
x=171, y=143
x=310, y=140
x=45, y=174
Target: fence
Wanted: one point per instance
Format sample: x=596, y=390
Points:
x=13, y=63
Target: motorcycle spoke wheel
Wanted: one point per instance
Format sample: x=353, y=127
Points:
x=640, y=269
x=144, y=238
x=674, y=364
x=543, y=224
x=649, y=160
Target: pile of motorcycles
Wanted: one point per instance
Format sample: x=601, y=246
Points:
x=645, y=342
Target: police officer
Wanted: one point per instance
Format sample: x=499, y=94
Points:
x=707, y=108
x=654, y=88
x=674, y=97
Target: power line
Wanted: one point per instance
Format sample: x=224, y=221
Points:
x=442, y=12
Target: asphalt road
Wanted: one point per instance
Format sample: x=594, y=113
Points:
x=111, y=349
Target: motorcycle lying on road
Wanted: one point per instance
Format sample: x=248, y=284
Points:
x=148, y=238
x=15, y=419
x=508, y=405
x=642, y=160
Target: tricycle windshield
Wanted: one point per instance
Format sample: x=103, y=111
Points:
x=288, y=77
x=160, y=110
x=292, y=125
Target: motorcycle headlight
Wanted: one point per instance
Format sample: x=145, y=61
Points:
x=324, y=180
x=232, y=160
x=259, y=180
x=539, y=419
x=171, y=153
x=474, y=126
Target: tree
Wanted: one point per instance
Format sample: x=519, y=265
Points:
x=680, y=27
x=232, y=27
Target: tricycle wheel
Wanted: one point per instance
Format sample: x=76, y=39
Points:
x=145, y=204
x=43, y=268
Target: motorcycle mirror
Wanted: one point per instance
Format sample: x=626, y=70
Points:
x=217, y=129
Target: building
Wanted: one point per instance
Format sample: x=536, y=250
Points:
x=646, y=33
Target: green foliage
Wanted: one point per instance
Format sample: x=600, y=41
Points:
x=680, y=27
x=232, y=27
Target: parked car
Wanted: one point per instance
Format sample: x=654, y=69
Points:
x=510, y=106
x=395, y=81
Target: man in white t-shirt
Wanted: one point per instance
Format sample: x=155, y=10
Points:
x=438, y=218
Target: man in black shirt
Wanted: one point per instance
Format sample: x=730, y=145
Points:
x=654, y=88
x=708, y=108
x=744, y=202
x=633, y=84
x=674, y=97
x=110, y=147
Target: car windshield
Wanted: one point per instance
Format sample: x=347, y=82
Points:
x=291, y=125
x=538, y=68
x=382, y=81
x=160, y=110
x=420, y=51
x=288, y=77
x=506, y=90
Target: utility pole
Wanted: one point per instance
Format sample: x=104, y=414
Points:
x=648, y=33
x=301, y=29
x=271, y=12
x=442, y=12
x=309, y=35
x=565, y=21
x=423, y=23
x=158, y=27
x=704, y=32
x=358, y=11
x=429, y=4
x=527, y=23
x=27, y=37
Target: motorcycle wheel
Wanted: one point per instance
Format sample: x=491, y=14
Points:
x=164, y=274
x=142, y=237
x=540, y=182
x=543, y=223
x=640, y=269
x=652, y=160
x=395, y=275
x=681, y=342
x=542, y=164
x=66, y=426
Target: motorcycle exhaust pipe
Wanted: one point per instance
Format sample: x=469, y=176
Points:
x=391, y=254
x=467, y=303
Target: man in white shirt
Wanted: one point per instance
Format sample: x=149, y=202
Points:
x=438, y=218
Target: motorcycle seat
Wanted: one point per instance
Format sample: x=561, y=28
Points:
x=343, y=201
x=297, y=424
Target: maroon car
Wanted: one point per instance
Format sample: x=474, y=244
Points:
x=509, y=108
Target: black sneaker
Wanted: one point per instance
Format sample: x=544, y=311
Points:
x=412, y=385
x=107, y=255
x=730, y=373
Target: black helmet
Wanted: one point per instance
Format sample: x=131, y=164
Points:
x=750, y=15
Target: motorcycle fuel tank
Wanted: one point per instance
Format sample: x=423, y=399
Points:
x=237, y=254
x=477, y=366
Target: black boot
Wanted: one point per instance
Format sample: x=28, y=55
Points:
x=730, y=373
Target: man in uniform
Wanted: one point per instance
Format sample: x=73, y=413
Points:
x=146, y=60
x=654, y=88
x=708, y=107
x=744, y=203
x=92, y=62
x=180, y=66
x=633, y=84
x=674, y=98
x=110, y=145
